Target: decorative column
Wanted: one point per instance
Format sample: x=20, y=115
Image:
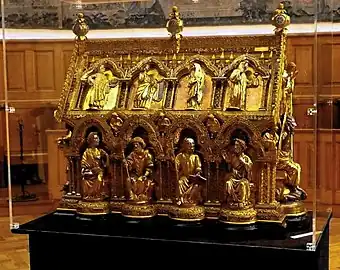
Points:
x=216, y=101
x=268, y=209
x=117, y=198
x=72, y=196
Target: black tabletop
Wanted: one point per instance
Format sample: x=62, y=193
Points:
x=164, y=229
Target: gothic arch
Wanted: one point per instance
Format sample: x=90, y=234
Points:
x=108, y=61
x=185, y=66
x=149, y=60
x=79, y=133
x=203, y=139
x=254, y=63
x=131, y=124
x=253, y=133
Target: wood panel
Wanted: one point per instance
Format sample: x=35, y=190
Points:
x=304, y=154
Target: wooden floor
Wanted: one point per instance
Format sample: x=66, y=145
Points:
x=14, y=248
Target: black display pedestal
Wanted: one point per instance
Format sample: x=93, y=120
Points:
x=67, y=241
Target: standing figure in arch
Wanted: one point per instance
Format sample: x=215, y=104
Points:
x=93, y=165
x=196, y=87
x=189, y=179
x=149, y=89
x=139, y=166
x=238, y=182
x=240, y=79
x=101, y=84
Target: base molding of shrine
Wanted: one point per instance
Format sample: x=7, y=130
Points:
x=187, y=214
x=116, y=205
x=93, y=208
x=133, y=210
x=240, y=216
x=294, y=209
x=270, y=213
x=69, y=202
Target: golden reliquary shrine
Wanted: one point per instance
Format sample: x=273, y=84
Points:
x=191, y=128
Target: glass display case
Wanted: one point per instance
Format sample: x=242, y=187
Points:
x=174, y=121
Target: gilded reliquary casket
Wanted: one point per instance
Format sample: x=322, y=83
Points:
x=186, y=127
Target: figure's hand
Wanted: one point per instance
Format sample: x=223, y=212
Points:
x=96, y=170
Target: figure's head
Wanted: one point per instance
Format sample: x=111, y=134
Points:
x=138, y=144
x=291, y=67
x=147, y=67
x=101, y=68
x=188, y=145
x=244, y=65
x=93, y=139
x=239, y=146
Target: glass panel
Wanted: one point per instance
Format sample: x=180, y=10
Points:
x=39, y=52
x=325, y=122
x=31, y=91
x=4, y=116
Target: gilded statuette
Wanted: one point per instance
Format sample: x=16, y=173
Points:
x=139, y=166
x=94, y=170
x=238, y=207
x=189, y=183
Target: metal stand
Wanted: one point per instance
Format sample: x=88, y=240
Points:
x=25, y=195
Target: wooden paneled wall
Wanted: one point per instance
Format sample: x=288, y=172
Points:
x=35, y=75
x=36, y=71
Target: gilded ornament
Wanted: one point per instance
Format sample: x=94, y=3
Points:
x=175, y=27
x=280, y=19
x=201, y=134
x=80, y=27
